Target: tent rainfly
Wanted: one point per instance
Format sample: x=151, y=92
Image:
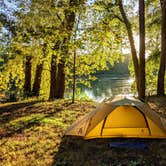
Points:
x=120, y=117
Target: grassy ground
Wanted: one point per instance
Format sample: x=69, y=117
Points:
x=32, y=134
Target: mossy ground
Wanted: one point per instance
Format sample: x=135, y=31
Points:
x=32, y=134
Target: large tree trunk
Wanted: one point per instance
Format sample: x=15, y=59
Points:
x=38, y=75
x=57, y=87
x=131, y=40
x=68, y=25
x=161, y=73
x=53, y=79
x=141, y=92
x=60, y=80
x=27, y=83
x=37, y=82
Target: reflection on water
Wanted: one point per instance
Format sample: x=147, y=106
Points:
x=105, y=87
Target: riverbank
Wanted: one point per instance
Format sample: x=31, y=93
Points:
x=32, y=134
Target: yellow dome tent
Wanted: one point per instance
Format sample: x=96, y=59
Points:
x=127, y=117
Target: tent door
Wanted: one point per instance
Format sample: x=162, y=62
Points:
x=125, y=121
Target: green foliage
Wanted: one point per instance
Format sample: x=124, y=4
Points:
x=153, y=23
x=13, y=70
x=43, y=24
x=152, y=66
x=99, y=38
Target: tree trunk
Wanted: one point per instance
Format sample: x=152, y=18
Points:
x=161, y=73
x=53, y=79
x=57, y=87
x=74, y=76
x=60, y=80
x=141, y=92
x=131, y=40
x=38, y=76
x=37, y=82
x=27, y=83
x=68, y=25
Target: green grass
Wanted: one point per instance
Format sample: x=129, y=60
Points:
x=32, y=134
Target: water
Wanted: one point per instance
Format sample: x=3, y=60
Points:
x=107, y=86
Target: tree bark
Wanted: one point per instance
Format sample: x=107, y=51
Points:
x=60, y=80
x=27, y=83
x=131, y=40
x=54, y=67
x=161, y=73
x=38, y=76
x=141, y=92
x=57, y=87
x=53, y=79
x=37, y=82
x=68, y=27
x=74, y=76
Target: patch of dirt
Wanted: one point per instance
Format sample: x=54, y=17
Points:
x=158, y=104
x=78, y=152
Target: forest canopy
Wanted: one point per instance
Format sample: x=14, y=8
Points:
x=50, y=46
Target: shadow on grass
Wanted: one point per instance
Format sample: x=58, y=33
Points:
x=34, y=115
x=13, y=107
x=13, y=111
x=22, y=126
x=75, y=151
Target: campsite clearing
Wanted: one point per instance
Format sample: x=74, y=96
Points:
x=32, y=134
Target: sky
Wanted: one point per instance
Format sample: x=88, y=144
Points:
x=8, y=7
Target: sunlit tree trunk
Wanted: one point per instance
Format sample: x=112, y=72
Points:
x=161, y=73
x=131, y=40
x=27, y=83
x=141, y=92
